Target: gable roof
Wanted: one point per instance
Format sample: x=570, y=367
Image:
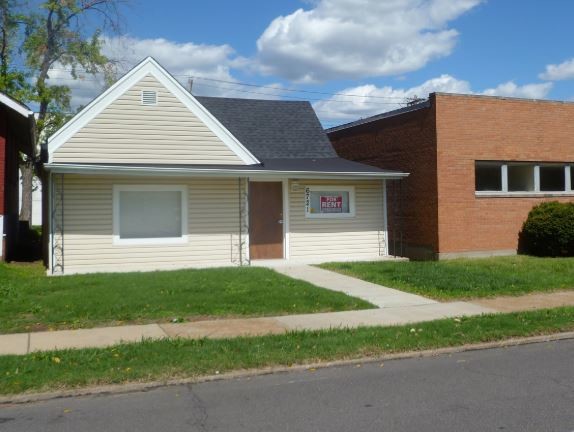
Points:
x=148, y=67
x=272, y=129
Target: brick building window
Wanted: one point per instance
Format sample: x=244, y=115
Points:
x=552, y=178
x=520, y=178
x=488, y=176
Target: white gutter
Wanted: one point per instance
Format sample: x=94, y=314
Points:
x=62, y=168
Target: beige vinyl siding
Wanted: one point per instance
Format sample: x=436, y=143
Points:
x=361, y=236
x=128, y=132
x=213, y=225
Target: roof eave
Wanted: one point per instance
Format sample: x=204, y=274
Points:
x=377, y=117
x=61, y=168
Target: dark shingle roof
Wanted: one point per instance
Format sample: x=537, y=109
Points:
x=272, y=129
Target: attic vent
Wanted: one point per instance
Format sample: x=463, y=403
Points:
x=149, y=97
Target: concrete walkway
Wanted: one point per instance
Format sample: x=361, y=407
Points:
x=378, y=295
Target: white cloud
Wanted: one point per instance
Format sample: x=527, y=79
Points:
x=368, y=100
x=84, y=88
x=359, y=38
x=557, y=72
x=181, y=59
x=529, y=91
x=373, y=100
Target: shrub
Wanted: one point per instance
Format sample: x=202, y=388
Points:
x=549, y=230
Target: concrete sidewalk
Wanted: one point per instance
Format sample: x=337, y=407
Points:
x=23, y=343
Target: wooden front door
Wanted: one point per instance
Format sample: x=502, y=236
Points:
x=265, y=220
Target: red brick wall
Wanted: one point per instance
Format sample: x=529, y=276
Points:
x=473, y=128
x=405, y=143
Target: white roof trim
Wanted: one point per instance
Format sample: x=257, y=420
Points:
x=148, y=66
x=67, y=168
x=12, y=104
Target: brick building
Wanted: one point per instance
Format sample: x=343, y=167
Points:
x=16, y=135
x=477, y=165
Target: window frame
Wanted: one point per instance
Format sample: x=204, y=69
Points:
x=319, y=188
x=117, y=189
x=568, y=172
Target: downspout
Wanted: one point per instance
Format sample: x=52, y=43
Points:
x=385, y=220
x=239, y=197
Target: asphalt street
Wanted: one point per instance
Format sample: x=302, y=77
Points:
x=526, y=388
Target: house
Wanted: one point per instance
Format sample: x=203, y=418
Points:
x=17, y=134
x=147, y=176
x=478, y=165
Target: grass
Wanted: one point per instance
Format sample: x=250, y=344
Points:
x=30, y=301
x=177, y=358
x=466, y=278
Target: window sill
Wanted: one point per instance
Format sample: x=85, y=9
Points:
x=149, y=241
x=329, y=216
x=523, y=194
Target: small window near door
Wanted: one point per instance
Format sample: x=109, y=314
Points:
x=149, y=214
x=329, y=201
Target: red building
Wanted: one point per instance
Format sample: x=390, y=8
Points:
x=477, y=165
x=16, y=135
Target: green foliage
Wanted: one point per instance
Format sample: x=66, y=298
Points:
x=549, y=230
x=13, y=81
x=56, y=36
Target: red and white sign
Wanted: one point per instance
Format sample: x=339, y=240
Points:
x=331, y=203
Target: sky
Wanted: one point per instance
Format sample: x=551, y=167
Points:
x=349, y=58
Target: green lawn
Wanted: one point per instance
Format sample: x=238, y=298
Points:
x=466, y=278
x=29, y=300
x=157, y=360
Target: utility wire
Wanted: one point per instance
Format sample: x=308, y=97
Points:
x=239, y=83
x=303, y=99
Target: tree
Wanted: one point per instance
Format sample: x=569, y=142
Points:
x=60, y=36
x=13, y=80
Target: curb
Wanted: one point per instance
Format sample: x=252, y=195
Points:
x=147, y=386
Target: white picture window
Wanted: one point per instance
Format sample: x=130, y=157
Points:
x=329, y=201
x=150, y=214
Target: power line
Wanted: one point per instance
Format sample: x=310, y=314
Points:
x=293, y=90
x=304, y=99
x=279, y=95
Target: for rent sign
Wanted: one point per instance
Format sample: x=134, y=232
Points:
x=331, y=203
